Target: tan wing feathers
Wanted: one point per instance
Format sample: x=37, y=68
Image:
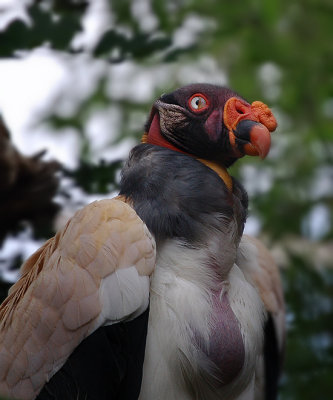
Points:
x=57, y=301
x=268, y=278
x=259, y=266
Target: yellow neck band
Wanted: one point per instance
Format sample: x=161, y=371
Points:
x=221, y=172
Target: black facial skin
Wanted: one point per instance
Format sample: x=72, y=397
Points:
x=186, y=129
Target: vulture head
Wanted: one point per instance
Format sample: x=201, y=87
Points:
x=211, y=123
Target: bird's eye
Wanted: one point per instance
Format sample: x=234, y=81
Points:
x=198, y=102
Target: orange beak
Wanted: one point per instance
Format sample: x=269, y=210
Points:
x=249, y=127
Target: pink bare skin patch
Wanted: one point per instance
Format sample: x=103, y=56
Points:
x=213, y=125
x=226, y=348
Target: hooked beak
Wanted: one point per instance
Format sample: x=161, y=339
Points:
x=249, y=127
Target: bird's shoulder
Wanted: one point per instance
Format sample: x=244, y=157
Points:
x=101, y=227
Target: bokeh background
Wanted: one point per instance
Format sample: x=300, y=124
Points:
x=77, y=79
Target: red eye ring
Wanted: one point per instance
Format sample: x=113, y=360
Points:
x=198, y=102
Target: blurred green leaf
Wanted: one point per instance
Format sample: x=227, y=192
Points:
x=139, y=46
x=100, y=178
x=55, y=30
x=309, y=362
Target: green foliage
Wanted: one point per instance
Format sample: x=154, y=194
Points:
x=99, y=178
x=139, y=46
x=309, y=361
x=47, y=27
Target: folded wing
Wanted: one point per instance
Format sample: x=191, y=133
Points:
x=94, y=272
x=261, y=270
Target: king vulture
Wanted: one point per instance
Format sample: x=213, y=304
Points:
x=156, y=294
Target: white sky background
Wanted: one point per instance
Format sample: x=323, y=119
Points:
x=43, y=79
